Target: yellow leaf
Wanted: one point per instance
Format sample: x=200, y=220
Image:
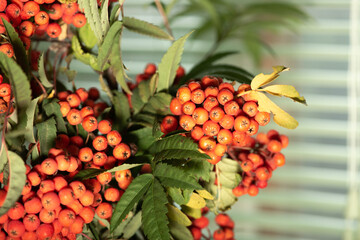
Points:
x=286, y=91
x=196, y=201
x=192, y=212
x=178, y=216
x=262, y=79
x=281, y=117
x=205, y=194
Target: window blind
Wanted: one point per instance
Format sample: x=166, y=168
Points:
x=307, y=198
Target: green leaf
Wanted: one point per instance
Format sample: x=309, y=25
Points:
x=30, y=113
x=46, y=135
x=177, y=195
x=18, y=46
x=140, y=96
x=93, y=17
x=142, y=137
x=153, y=83
x=170, y=63
x=42, y=73
x=155, y=221
x=179, y=232
x=106, y=46
x=203, y=65
x=179, y=141
x=117, y=65
x=16, y=182
x=53, y=109
x=3, y=157
x=79, y=52
x=132, y=226
x=122, y=111
x=174, y=177
x=87, y=36
x=145, y=28
x=178, y=216
x=104, y=17
x=20, y=87
x=156, y=131
x=210, y=8
x=199, y=167
x=132, y=195
x=114, y=13
x=93, y=172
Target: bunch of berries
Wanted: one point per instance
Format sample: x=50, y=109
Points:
x=54, y=204
x=225, y=232
x=215, y=114
x=5, y=97
x=38, y=17
x=258, y=164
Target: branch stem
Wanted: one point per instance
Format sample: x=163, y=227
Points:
x=164, y=16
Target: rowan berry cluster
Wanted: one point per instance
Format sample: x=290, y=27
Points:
x=258, y=163
x=216, y=116
x=54, y=204
x=38, y=17
x=5, y=97
x=225, y=232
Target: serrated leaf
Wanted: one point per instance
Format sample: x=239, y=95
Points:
x=79, y=52
x=106, y=47
x=124, y=167
x=170, y=63
x=229, y=165
x=178, y=141
x=156, y=131
x=133, y=225
x=42, y=73
x=145, y=28
x=179, y=232
x=87, y=36
x=281, y=117
x=262, y=79
x=177, y=195
x=18, y=46
x=117, y=65
x=174, y=177
x=46, y=135
x=122, y=110
x=140, y=96
x=30, y=113
x=16, y=182
x=142, y=137
x=20, y=86
x=196, y=201
x=155, y=221
x=178, y=216
x=286, y=91
x=153, y=83
x=92, y=16
x=104, y=17
x=199, y=167
x=205, y=194
x=119, y=230
x=192, y=212
x=179, y=154
x=132, y=195
x=53, y=109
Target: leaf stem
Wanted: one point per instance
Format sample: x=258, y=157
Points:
x=165, y=18
x=86, y=236
x=218, y=183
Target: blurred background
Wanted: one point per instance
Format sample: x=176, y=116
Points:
x=316, y=194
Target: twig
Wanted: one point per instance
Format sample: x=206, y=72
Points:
x=165, y=18
x=218, y=183
x=86, y=236
x=38, y=82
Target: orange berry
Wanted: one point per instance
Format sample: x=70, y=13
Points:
x=77, y=226
x=194, y=85
x=66, y=217
x=250, y=108
x=104, y=210
x=79, y=20
x=122, y=151
x=76, y=206
x=123, y=177
x=64, y=108
x=262, y=118
x=112, y=195
x=274, y=146
x=225, y=137
x=198, y=96
x=63, y=162
x=169, y=123
x=216, y=114
x=74, y=100
x=60, y=183
x=253, y=127
x=100, y=143
x=45, y=231
x=279, y=159
x=210, y=103
x=104, y=126
x=253, y=190
x=113, y=137
x=211, y=91
x=87, y=198
x=104, y=178
x=53, y=30
x=15, y=229
x=232, y=108
x=100, y=158
x=93, y=185
x=7, y=49
x=187, y=122
x=225, y=96
x=227, y=122
x=175, y=107
x=89, y=123
x=214, y=159
x=31, y=222
x=220, y=149
x=42, y=18
x=211, y=128
x=47, y=216
x=31, y=8
x=74, y=117
x=27, y=28
x=66, y=196
x=16, y=212
x=183, y=94
x=47, y=186
x=197, y=133
x=200, y=115
x=239, y=137
x=33, y=205
x=5, y=90
x=87, y=214
x=208, y=81
x=284, y=141
x=85, y=154
x=188, y=108
x=207, y=143
x=241, y=123
x=49, y=166
x=97, y=200
x=50, y=201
